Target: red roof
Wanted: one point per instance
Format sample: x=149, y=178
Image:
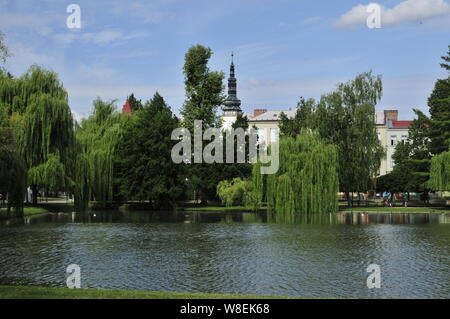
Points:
x=401, y=124
x=126, y=108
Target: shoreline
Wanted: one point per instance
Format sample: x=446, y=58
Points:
x=39, y=211
x=40, y=292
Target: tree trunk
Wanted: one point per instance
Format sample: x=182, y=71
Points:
x=34, y=190
x=349, y=200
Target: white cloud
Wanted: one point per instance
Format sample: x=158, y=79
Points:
x=312, y=20
x=409, y=11
x=100, y=38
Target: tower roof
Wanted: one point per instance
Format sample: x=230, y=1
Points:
x=232, y=103
x=126, y=108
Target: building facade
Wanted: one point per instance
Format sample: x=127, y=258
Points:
x=390, y=132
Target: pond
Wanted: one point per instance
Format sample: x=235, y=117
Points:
x=234, y=252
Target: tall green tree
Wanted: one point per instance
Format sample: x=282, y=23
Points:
x=446, y=64
x=4, y=53
x=48, y=127
x=204, y=88
x=440, y=172
x=346, y=118
x=135, y=104
x=97, y=139
x=12, y=167
x=145, y=168
x=38, y=102
x=204, y=94
x=439, y=106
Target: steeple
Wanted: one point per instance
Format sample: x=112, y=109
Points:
x=232, y=103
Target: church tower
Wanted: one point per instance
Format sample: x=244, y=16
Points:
x=232, y=105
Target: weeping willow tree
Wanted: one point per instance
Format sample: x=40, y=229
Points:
x=50, y=174
x=97, y=138
x=258, y=182
x=47, y=135
x=304, y=188
x=440, y=172
x=12, y=168
x=37, y=102
x=17, y=93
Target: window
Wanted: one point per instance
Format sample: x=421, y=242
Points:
x=404, y=138
x=393, y=140
x=261, y=135
x=273, y=135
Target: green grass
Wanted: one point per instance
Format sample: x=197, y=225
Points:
x=342, y=208
x=27, y=211
x=30, y=211
x=32, y=292
x=222, y=208
x=395, y=209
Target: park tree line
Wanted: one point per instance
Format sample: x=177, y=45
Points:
x=112, y=157
x=109, y=157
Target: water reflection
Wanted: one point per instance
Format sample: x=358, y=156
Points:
x=231, y=252
x=342, y=218
x=359, y=218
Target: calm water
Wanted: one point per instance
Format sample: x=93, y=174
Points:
x=232, y=253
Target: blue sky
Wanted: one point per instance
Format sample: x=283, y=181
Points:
x=284, y=49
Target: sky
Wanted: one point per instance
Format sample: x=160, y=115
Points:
x=284, y=49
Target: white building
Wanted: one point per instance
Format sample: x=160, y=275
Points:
x=390, y=132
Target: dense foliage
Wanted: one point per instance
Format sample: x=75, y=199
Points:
x=97, y=139
x=145, y=170
x=439, y=106
x=111, y=157
x=440, y=172
x=12, y=168
x=37, y=105
x=306, y=184
x=346, y=119
x=204, y=89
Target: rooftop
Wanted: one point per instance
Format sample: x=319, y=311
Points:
x=275, y=115
x=399, y=124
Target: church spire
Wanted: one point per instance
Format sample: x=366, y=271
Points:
x=232, y=103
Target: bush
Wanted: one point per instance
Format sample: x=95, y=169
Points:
x=237, y=192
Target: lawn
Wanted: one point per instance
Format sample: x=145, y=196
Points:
x=223, y=208
x=27, y=211
x=342, y=209
x=32, y=292
x=30, y=211
x=396, y=209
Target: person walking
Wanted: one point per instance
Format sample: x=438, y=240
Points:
x=405, y=199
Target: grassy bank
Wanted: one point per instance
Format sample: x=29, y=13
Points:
x=222, y=209
x=30, y=211
x=382, y=209
x=27, y=212
x=31, y=292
